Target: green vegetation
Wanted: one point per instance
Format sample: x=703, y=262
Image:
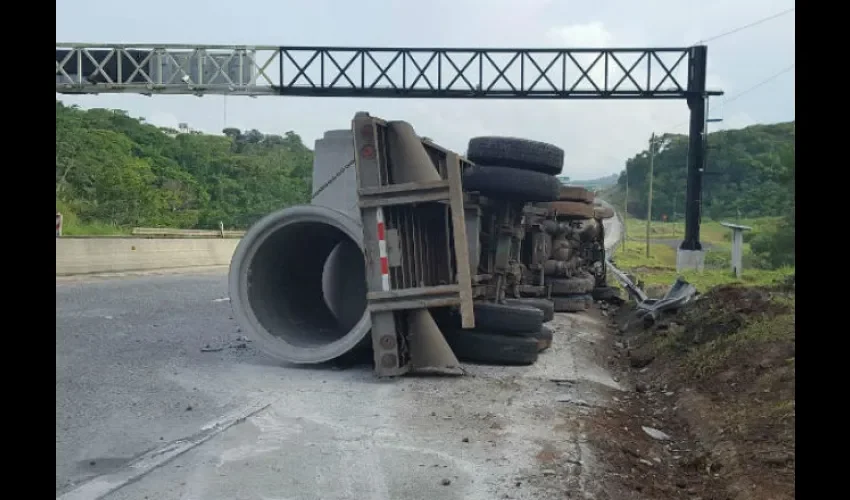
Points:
x=751, y=182
x=746, y=174
x=706, y=359
x=659, y=270
x=711, y=232
x=776, y=247
x=114, y=172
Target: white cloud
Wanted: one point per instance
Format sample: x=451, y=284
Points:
x=591, y=34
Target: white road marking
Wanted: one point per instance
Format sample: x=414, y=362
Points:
x=101, y=486
x=225, y=299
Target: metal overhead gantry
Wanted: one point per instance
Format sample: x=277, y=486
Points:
x=615, y=73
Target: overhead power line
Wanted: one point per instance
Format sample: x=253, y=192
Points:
x=746, y=26
x=726, y=101
x=737, y=30
x=759, y=84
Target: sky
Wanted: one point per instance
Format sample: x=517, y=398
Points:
x=596, y=135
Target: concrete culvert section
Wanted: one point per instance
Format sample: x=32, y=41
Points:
x=298, y=284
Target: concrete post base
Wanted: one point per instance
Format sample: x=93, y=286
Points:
x=689, y=260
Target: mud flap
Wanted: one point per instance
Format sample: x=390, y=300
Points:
x=429, y=351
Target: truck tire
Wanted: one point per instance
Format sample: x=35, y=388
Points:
x=492, y=348
x=507, y=318
x=517, y=153
x=544, y=338
x=544, y=305
x=511, y=184
x=605, y=293
x=580, y=284
x=576, y=193
x=571, y=209
x=603, y=212
x=572, y=303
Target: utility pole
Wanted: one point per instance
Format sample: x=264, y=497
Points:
x=649, y=201
x=626, y=209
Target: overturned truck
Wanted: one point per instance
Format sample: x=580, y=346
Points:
x=407, y=249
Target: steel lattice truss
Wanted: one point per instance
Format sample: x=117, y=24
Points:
x=375, y=72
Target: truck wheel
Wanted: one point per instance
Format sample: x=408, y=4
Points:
x=572, y=303
x=581, y=284
x=492, y=348
x=516, y=153
x=544, y=338
x=603, y=212
x=571, y=209
x=510, y=183
x=576, y=193
x=544, y=305
x=507, y=318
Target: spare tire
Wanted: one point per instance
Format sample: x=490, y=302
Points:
x=492, y=348
x=507, y=318
x=572, y=303
x=544, y=305
x=544, y=338
x=571, y=209
x=510, y=184
x=516, y=153
x=581, y=284
x=576, y=193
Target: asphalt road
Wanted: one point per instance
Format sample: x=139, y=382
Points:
x=129, y=367
x=142, y=412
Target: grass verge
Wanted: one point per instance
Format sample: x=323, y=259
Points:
x=658, y=270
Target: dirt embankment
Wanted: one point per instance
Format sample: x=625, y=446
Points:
x=711, y=411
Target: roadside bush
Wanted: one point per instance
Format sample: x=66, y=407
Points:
x=776, y=248
x=718, y=259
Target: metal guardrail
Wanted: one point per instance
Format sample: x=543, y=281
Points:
x=186, y=233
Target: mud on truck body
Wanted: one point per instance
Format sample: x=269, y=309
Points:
x=411, y=251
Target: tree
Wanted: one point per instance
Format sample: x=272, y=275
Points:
x=744, y=170
x=777, y=248
x=115, y=169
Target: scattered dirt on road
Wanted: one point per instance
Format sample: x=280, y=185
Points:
x=711, y=409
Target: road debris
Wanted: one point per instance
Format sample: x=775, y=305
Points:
x=241, y=342
x=656, y=434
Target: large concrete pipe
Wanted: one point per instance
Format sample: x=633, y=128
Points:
x=298, y=284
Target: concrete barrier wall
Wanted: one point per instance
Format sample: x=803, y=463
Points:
x=107, y=255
